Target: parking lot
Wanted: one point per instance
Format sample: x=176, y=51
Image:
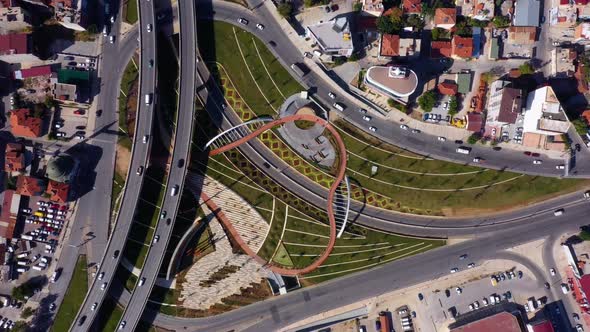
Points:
x=440, y=112
x=77, y=62
x=70, y=123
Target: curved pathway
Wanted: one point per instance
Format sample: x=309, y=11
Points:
x=331, y=193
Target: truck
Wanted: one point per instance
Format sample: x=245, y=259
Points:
x=26, y=237
x=22, y=269
x=44, y=259
x=299, y=69
x=43, y=265
x=22, y=255
x=384, y=319
x=38, y=268
x=148, y=99
x=463, y=150
x=338, y=106
x=494, y=282
x=22, y=263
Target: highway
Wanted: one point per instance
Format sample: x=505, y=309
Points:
x=389, y=131
x=177, y=171
x=139, y=157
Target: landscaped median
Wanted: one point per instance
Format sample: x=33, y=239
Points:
x=73, y=298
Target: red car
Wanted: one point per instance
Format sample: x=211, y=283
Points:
x=527, y=153
x=535, y=154
x=79, y=112
x=63, y=208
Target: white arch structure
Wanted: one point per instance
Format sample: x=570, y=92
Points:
x=236, y=128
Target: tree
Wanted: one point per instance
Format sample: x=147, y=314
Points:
x=339, y=60
x=92, y=29
x=427, y=11
x=391, y=23
x=581, y=126
x=21, y=291
x=27, y=312
x=526, y=69
x=415, y=21
x=308, y=3
x=427, y=100
x=384, y=25
x=357, y=7
x=463, y=29
x=285, y=9
x=353, y=57
x=453, y=105
x=20, y=326
x=501, y=21
x=473, y=138
x=436, y=33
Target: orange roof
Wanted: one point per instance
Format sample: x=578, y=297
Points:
x=23, y=124
x=412, y=6
x=462, y=46
x=445, y=16
x=14, y=157
x=8, y=220
x=448, y=88
x=503, y=321
x=59, y=191
x=586, y=116
x=29, y=186
x=439, y=49
x=389, y=45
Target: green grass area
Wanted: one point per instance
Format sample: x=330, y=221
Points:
x=126, y=277
x=168, y=80
x=217, y=43
x=129, y=79
x=109, y=315
x=282, y=256
x=73, y=298
x=131, y=14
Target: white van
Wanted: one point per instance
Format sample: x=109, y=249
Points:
x=558, y=212
x=463, y=150
x=148, y=99
x=564, y=288
x=174, y=191
x=338, y=106
x=141, y=282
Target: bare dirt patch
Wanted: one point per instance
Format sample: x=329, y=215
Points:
x=122, y=160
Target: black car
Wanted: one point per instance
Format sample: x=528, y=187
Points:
x=497, y=148
x=578, y=147
x=82, y=320
x=547, y=285
x=168, y=221
x=180, y=163
x=420, y=296
x=327, y=9
x=116, y=254
x=447, y=293
x=272, y=43
x=458, y=141
x=98, y=113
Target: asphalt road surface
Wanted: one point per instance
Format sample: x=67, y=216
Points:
x=140, y=154
x=181, y=145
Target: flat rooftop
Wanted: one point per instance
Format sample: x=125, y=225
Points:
x=399, y=86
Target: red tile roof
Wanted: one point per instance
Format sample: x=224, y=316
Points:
x=462, y=46
x=65, y=3
x=440, y=49
x=59, y=191
x=14, y=159
x=32, y=72
x=24, y=124
x=586, y=116
x=29, y=186
x=14, y=43
x=503, y=321
x=474, y=124
x=8, y=221
x=412, y=6
x=543, y=326
x=448, y=88
x=445, y=16
x=389, y=45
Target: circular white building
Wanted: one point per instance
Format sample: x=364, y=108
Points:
x=394, y=81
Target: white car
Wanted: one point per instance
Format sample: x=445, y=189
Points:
x=441, y=139
x=470, y=265
x=552, y=271
x=93, y=307
x=112, y=39
x=112, y=19
x=149, y=28
x=560, y=167
x=366, y=118
x=416, y=131
x=453, y=270
x=485, y=302
x=587, y=194
x=477, y=160
x=558, y=212
x=373, y=129
x=243, y=21
x=331, y=95
x=537, y=162
x=122, y=325
x=100, y=276
x=260, y=26
x=103, y=286
x=404, y=127
x=476, y=304
x=156, y=239
x=471, y=307
x=458, y=290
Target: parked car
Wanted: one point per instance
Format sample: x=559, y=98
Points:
x=243, y=21
x=260, y=26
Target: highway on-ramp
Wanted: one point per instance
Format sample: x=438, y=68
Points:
x=177, y=168
x=139, y=157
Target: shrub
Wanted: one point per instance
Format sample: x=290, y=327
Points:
x=501, y=21
x=427, y=100
x=473, y=138
x=526, y=69
x=357, y=7
x=285, y=9
x=453, y=105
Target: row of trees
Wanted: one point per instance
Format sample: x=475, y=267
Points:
x=396, y=21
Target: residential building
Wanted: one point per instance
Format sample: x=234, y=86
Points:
x=464, y=82
x=445, y=18
x=504, y=104
x=64, y=92
x=333, y=37
x=527, y=13
x=462, y=47
x=584, y=12
x=392, y=81
x=448, y=88
x=477, y=38
x=32, y=72
x=544, y=114
x=14, y=43
x=24, y=124
x=441, y=49
x=7, y=214
x=14, y=157
x=497, y=321
x=373, y=7
x=412, y=6
x=393, y=46
x=582, y=31
x=540, y=326
x=482, y=10
x=14, y=18
x=522, y=35
x=58, y=191
x=30, y=186
x=495, y=51
x=562, y=62
x=72, y=14
x=474, y=122
x=563, y=15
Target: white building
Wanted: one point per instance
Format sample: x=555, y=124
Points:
x=544, y=114
x=333, y=37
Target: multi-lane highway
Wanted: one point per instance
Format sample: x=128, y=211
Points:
x=133, y=184
x=177, y=170
x=387, y=130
